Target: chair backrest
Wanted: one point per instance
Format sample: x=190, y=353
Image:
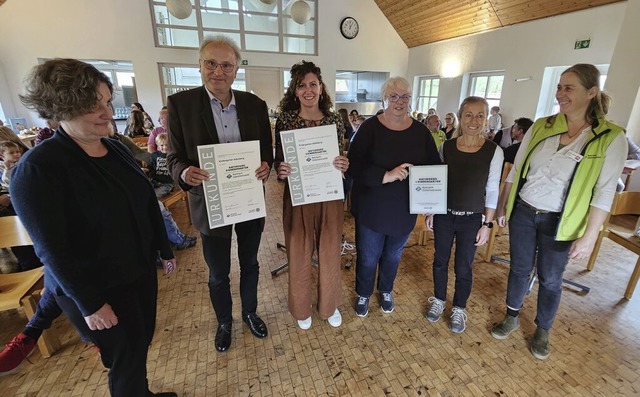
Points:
x=505, y=172
x=626, y=203
x=13, y=233
x=141, y=140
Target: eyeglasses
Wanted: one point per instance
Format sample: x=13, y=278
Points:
x=395, y=98
x=212, y=65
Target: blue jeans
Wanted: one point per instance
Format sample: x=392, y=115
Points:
x=173, y=232
x=161, y=189
x=464, y=229
x=377, y=251
x=530, y=233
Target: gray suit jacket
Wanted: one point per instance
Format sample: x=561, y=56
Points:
x=191, y=124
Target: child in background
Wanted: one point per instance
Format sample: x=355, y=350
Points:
x=163, y=185
x=10, y=153
x=158, y=170
x=495, y=122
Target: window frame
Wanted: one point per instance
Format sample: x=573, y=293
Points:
x=493, y=101
x=419, y=98
x=277, y=12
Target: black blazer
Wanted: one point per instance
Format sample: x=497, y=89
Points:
x=190, y=124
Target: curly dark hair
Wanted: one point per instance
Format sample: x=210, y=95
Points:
x=298, y=71
x=63, y=89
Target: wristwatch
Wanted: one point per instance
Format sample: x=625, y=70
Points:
x=489, y=225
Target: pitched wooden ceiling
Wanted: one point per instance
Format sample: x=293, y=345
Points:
x=421, y=22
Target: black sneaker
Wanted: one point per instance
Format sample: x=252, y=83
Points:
x=188, y=242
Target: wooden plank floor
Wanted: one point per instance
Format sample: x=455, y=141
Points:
x=595, y=348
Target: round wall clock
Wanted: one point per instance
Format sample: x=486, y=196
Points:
x=349, y=27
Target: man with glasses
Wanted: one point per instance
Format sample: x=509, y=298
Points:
x=212, y=114
x=433, y=124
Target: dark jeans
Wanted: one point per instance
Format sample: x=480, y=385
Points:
x=530, y=232
x=377, y=251
x=464, y=229
x=46, y=311
x=124, y=347
x=217, y=254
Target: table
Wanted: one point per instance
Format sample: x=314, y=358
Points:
x=28, y=139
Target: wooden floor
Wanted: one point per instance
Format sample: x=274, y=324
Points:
x=595, y=339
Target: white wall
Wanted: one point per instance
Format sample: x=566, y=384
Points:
x=121, y=30
x=624, y=80
x=521, y=51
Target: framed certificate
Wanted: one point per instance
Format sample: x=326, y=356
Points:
x=232, y=193
x=310, y=152
x=428, y=189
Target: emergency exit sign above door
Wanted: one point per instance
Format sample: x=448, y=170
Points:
x=580, y=44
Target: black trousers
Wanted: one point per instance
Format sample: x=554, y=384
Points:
x=123, y=348
x=217, y=254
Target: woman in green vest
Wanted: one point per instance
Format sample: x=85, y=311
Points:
x=557, y=196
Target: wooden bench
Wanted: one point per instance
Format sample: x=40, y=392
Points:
x=22, y=290
x=175, y=196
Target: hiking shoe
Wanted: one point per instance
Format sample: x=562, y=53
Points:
x=15, y=353
x=540, y=344
x=188, y=242
x=336, y=319
x=436, y=309
x=305, y=324
x=458, y=320
x=362, y=306
x=505, y=327
x=387, y=305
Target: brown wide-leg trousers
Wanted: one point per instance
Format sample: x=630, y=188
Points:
x=304, y=225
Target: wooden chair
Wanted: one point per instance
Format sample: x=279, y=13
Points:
x=496, y=231
x=22, y=290
x=624, y=203
x=175, y=196
x=141, y=140
x=421, y=229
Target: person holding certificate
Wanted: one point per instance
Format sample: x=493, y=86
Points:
x=216, y=114
x=306, y=103
x=379, y=157
x=474, y=168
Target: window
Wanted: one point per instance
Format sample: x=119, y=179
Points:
x=252, y=24
x=547, y=104
x=428, y=88
x=2, y=116
x=176, y=78
x=488, y=86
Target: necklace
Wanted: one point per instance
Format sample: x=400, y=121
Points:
x=579, y=130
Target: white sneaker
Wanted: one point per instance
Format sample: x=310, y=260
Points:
x=305, y=324
x=336, y=319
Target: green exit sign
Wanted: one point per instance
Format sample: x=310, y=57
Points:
x=580, y=44
x=245, y=62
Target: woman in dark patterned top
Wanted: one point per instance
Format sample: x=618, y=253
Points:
x=307, y=104
x=380, y=154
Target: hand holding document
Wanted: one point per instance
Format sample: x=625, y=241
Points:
x=310, y=153
x=232, y=193
x=428, y=189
